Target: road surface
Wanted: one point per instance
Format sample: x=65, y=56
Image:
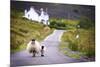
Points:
x=52, y=54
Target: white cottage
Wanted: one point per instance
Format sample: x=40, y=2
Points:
x=32, y=14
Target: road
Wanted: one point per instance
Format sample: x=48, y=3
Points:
x=52, y=54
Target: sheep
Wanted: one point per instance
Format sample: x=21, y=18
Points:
x=35, y=47
x=43, y=49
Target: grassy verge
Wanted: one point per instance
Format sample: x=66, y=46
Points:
x=81, y=39
x=64, y=48
x=76, y=48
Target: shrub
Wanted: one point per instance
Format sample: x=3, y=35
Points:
x=86, y=23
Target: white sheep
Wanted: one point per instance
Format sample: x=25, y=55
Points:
x=35, y=47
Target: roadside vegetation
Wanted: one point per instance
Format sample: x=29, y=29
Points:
x=23, y=30
x=63, y=23
x=84, y=44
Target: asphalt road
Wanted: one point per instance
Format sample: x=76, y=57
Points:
x=52, y=54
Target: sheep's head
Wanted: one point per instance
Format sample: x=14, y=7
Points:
x=33, y=41
x=42, y=47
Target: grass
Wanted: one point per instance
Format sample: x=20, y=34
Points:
x=84, y=45
x=64, y=24
x=21, y=47
x=23, y=30
x=68, y=52
x=86, y=42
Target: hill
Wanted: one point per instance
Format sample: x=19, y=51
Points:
x=23, y=30
x=58, y=10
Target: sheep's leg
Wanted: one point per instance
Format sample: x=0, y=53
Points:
x=34, y=53
x=42, y=52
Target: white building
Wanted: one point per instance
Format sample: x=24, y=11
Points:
x=32, y=14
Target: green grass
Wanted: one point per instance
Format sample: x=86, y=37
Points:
x=64, y=24
x=23, y=30
x=68, y=52
x=85, y=44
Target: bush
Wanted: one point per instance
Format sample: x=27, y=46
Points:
x=65, y=24
x=86, y=23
